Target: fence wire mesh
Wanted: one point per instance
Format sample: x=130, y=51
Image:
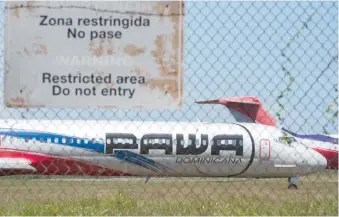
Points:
x=284, y=53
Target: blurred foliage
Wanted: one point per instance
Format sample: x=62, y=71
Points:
x=332, y=109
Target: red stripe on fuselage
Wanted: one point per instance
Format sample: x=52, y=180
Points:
x=55, y=165
x=330, y=155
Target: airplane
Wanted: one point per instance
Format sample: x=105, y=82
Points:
x=153, y=149
x=249, y=109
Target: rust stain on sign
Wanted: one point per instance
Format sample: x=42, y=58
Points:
x=100, y=47
x=101, y=73
x=39, y=49
x=141, y=72
x=96, y=49
x=110, y=51
x=30, y=3
x=133, y=50
x=166, y=65
x=18, y=100
x=167, y=86
x=169, y=65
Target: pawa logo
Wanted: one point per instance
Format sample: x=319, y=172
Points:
x=166, y=142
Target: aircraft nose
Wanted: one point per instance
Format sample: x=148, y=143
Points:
x=331, y=157
x=317, y=161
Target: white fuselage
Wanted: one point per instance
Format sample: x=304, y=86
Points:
x=166, y=149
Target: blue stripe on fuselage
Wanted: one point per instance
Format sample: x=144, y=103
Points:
x=55, y=139
x=316, y=137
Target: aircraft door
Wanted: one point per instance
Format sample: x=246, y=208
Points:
x=264, y=149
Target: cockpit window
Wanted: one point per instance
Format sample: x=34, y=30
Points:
x=287, y=140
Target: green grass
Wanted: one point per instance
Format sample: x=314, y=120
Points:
x=317, y=196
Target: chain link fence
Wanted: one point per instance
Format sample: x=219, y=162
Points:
x=284, y=53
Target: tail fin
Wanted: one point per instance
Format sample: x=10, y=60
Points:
x=249, y=107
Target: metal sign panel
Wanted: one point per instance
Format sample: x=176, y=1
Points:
x=94, y=54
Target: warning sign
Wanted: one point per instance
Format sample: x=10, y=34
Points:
x=122, y=54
